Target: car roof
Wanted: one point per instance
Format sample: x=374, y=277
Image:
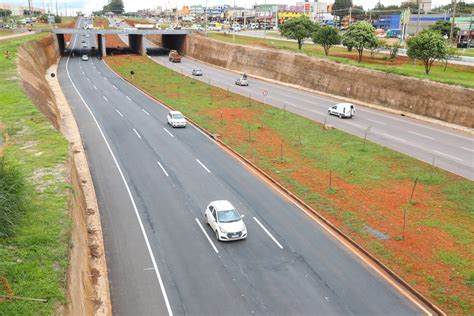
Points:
x=175, y=112
x=222, y=205
x=344, y=104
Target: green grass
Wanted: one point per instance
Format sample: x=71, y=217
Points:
x=372, y=166
x=6, y=32
x=454, y=74
x=34, y=260
x=466, y=52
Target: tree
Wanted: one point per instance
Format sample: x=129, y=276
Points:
x=326, y=36
x=57, y=19
x=443, y=27
x=298, y=29
x=340, y=8
x=360, y=35
x=393, y=49
x=374, y=47
x=428, y=47
x=115, y=6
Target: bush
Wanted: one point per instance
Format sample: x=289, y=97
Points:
x=12, y=197
x=57, y=19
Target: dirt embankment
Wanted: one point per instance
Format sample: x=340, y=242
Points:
x=452, y=104
x=87, y=280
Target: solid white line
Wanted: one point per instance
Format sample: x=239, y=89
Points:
x=137, y=133
x=468, y=149
x=168, y=132
x=396, y=138
x=166, y=173
x=378, y=122
x=145, y=112
x=202, y=165
x=95, y=87
x=448, y=156
x=105, y=98
x=268, y=233
x=150, y=251
x=119, y=112
x=207, y=236
x=114, y=87
x=128, y=98
x=421, y=135
x=355, y=124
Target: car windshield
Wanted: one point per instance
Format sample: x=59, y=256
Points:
x=178, y=116
x=228, y=216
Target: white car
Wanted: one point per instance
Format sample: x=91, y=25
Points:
x=242, y=82
x=176, y=119
x=342, y=110
x=225, y=221
x=85, y=57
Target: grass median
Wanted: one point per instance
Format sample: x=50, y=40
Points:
x=363, y=188
x=454, y=74
x=34, y=258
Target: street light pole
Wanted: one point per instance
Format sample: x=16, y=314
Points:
x=205, y=17
x=233, y=24
x=452, y=23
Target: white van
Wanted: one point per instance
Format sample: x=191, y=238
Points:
x=342, y=110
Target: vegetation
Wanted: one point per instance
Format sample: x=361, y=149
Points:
x=12, y=197
x=340, y=8
x=428, y=47
x=371, y=185
x=115, y=6
x=455, y=74
x=326, y=36
x=360, y=35
x=461, y=8
x=34, y=254
x=298, y=29
x=444, y=28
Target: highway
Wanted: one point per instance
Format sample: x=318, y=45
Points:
x=447, y=148
x=153, y=183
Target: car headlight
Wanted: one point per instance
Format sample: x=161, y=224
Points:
x=222, y=230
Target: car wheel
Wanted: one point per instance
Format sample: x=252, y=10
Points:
x=217, y=235
x=205, y=218
x=329, y=112
x=340, y=115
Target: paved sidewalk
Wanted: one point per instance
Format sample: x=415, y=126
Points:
x=15, y=35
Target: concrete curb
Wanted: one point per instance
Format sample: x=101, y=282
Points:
x=303, y=204
x=94, y=233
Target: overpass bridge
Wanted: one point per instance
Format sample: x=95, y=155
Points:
x=170, y=39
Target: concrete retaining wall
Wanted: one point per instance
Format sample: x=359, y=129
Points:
x=87, y=281
x=452, y=104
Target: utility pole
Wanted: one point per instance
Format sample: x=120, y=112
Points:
x=57, y=11
x=469, y=31
x=452, y=23
x=418, y=17
x=233, y=24
x=350, y=15
x=205, y=18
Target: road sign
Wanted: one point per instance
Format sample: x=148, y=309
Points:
x=265, y=93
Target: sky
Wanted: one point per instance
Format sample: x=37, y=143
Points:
x=134, y=5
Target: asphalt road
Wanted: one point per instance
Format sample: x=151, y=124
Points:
x=153, y=183
x=449, y=149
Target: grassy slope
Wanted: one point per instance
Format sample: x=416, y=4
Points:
x=453, y=75
x=373, y=169
x=35, y=260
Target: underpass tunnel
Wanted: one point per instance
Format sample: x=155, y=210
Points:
x=101, y=45
x=176, y=42
x=61, y=43
x=137, y=44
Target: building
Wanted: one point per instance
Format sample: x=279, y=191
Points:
x=425, y=21
x=387, y=22
x=20, y=9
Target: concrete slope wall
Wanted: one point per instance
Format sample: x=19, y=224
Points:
x=87, y=281
x=33, y=59
x=448, y=103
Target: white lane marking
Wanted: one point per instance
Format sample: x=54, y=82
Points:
x=396, y=138
x=421, y=135
x=468, y=149
x=159, y=164
x=318, y=112
x=94, y=87
x=83, y=73
x=378, y=122
x=207, y=236
x=114, y=87
x=166, y=130
x=147, y=269
x=355, y=124
x=448, y=156
x=142, y=228
x=87, y=78
x=105, y=78
x=119, y=112
x=128, y=98
x=268, y=233
x=202, y=165
x=105, y=98
x=138, y=135
x=145, y=112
